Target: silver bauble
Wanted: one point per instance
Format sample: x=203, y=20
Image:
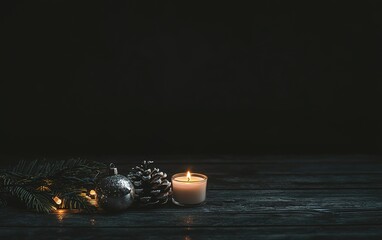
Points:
x=115, y=192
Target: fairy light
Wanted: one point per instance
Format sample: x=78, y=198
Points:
x=92, y=194
x=57, y=200
x=43, y=188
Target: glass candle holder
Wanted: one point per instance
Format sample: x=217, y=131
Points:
x=189, y=189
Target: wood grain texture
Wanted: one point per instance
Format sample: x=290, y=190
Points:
x=263, y=197
x=369, y=232
x=232, y=208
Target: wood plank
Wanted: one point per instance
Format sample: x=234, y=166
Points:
x=287, y=166
x=285, y=181
x=227, y=208
x=168, y=232
x=289, y=175
x=261, y=176
x=341, y=199
x=215, y=219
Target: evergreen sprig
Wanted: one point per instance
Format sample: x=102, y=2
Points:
x=34, y=184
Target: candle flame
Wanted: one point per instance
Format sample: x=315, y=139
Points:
x=57, y=200
x=188, y=175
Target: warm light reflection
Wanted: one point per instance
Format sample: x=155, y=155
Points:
x=57, y=200
x=92, y=193
x=93, y=222
x=188, y=220
x=60, y=214
x=188, y=175
x=43, y=188
x=48, y=182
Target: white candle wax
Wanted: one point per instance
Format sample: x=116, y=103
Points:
x=189, y=190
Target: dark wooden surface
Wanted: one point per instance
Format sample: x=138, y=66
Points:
x=272, y=197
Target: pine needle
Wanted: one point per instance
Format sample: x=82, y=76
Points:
x=36, y=183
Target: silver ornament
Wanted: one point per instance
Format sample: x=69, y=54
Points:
x=115, y=192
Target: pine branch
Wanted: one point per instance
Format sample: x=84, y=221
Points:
x=76, y=201
x=36, y=183
x=46, y=169
x=39, y=201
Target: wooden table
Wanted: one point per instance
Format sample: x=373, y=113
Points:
x=326, y=197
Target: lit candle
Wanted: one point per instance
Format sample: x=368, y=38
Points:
x=189, y=189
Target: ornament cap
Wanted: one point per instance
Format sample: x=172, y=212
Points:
x=112, y=169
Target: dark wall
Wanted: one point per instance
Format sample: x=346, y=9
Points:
x=191, y=77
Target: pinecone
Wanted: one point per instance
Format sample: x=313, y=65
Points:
x=151, y=186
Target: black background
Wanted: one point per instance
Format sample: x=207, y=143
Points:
x=190, y=77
